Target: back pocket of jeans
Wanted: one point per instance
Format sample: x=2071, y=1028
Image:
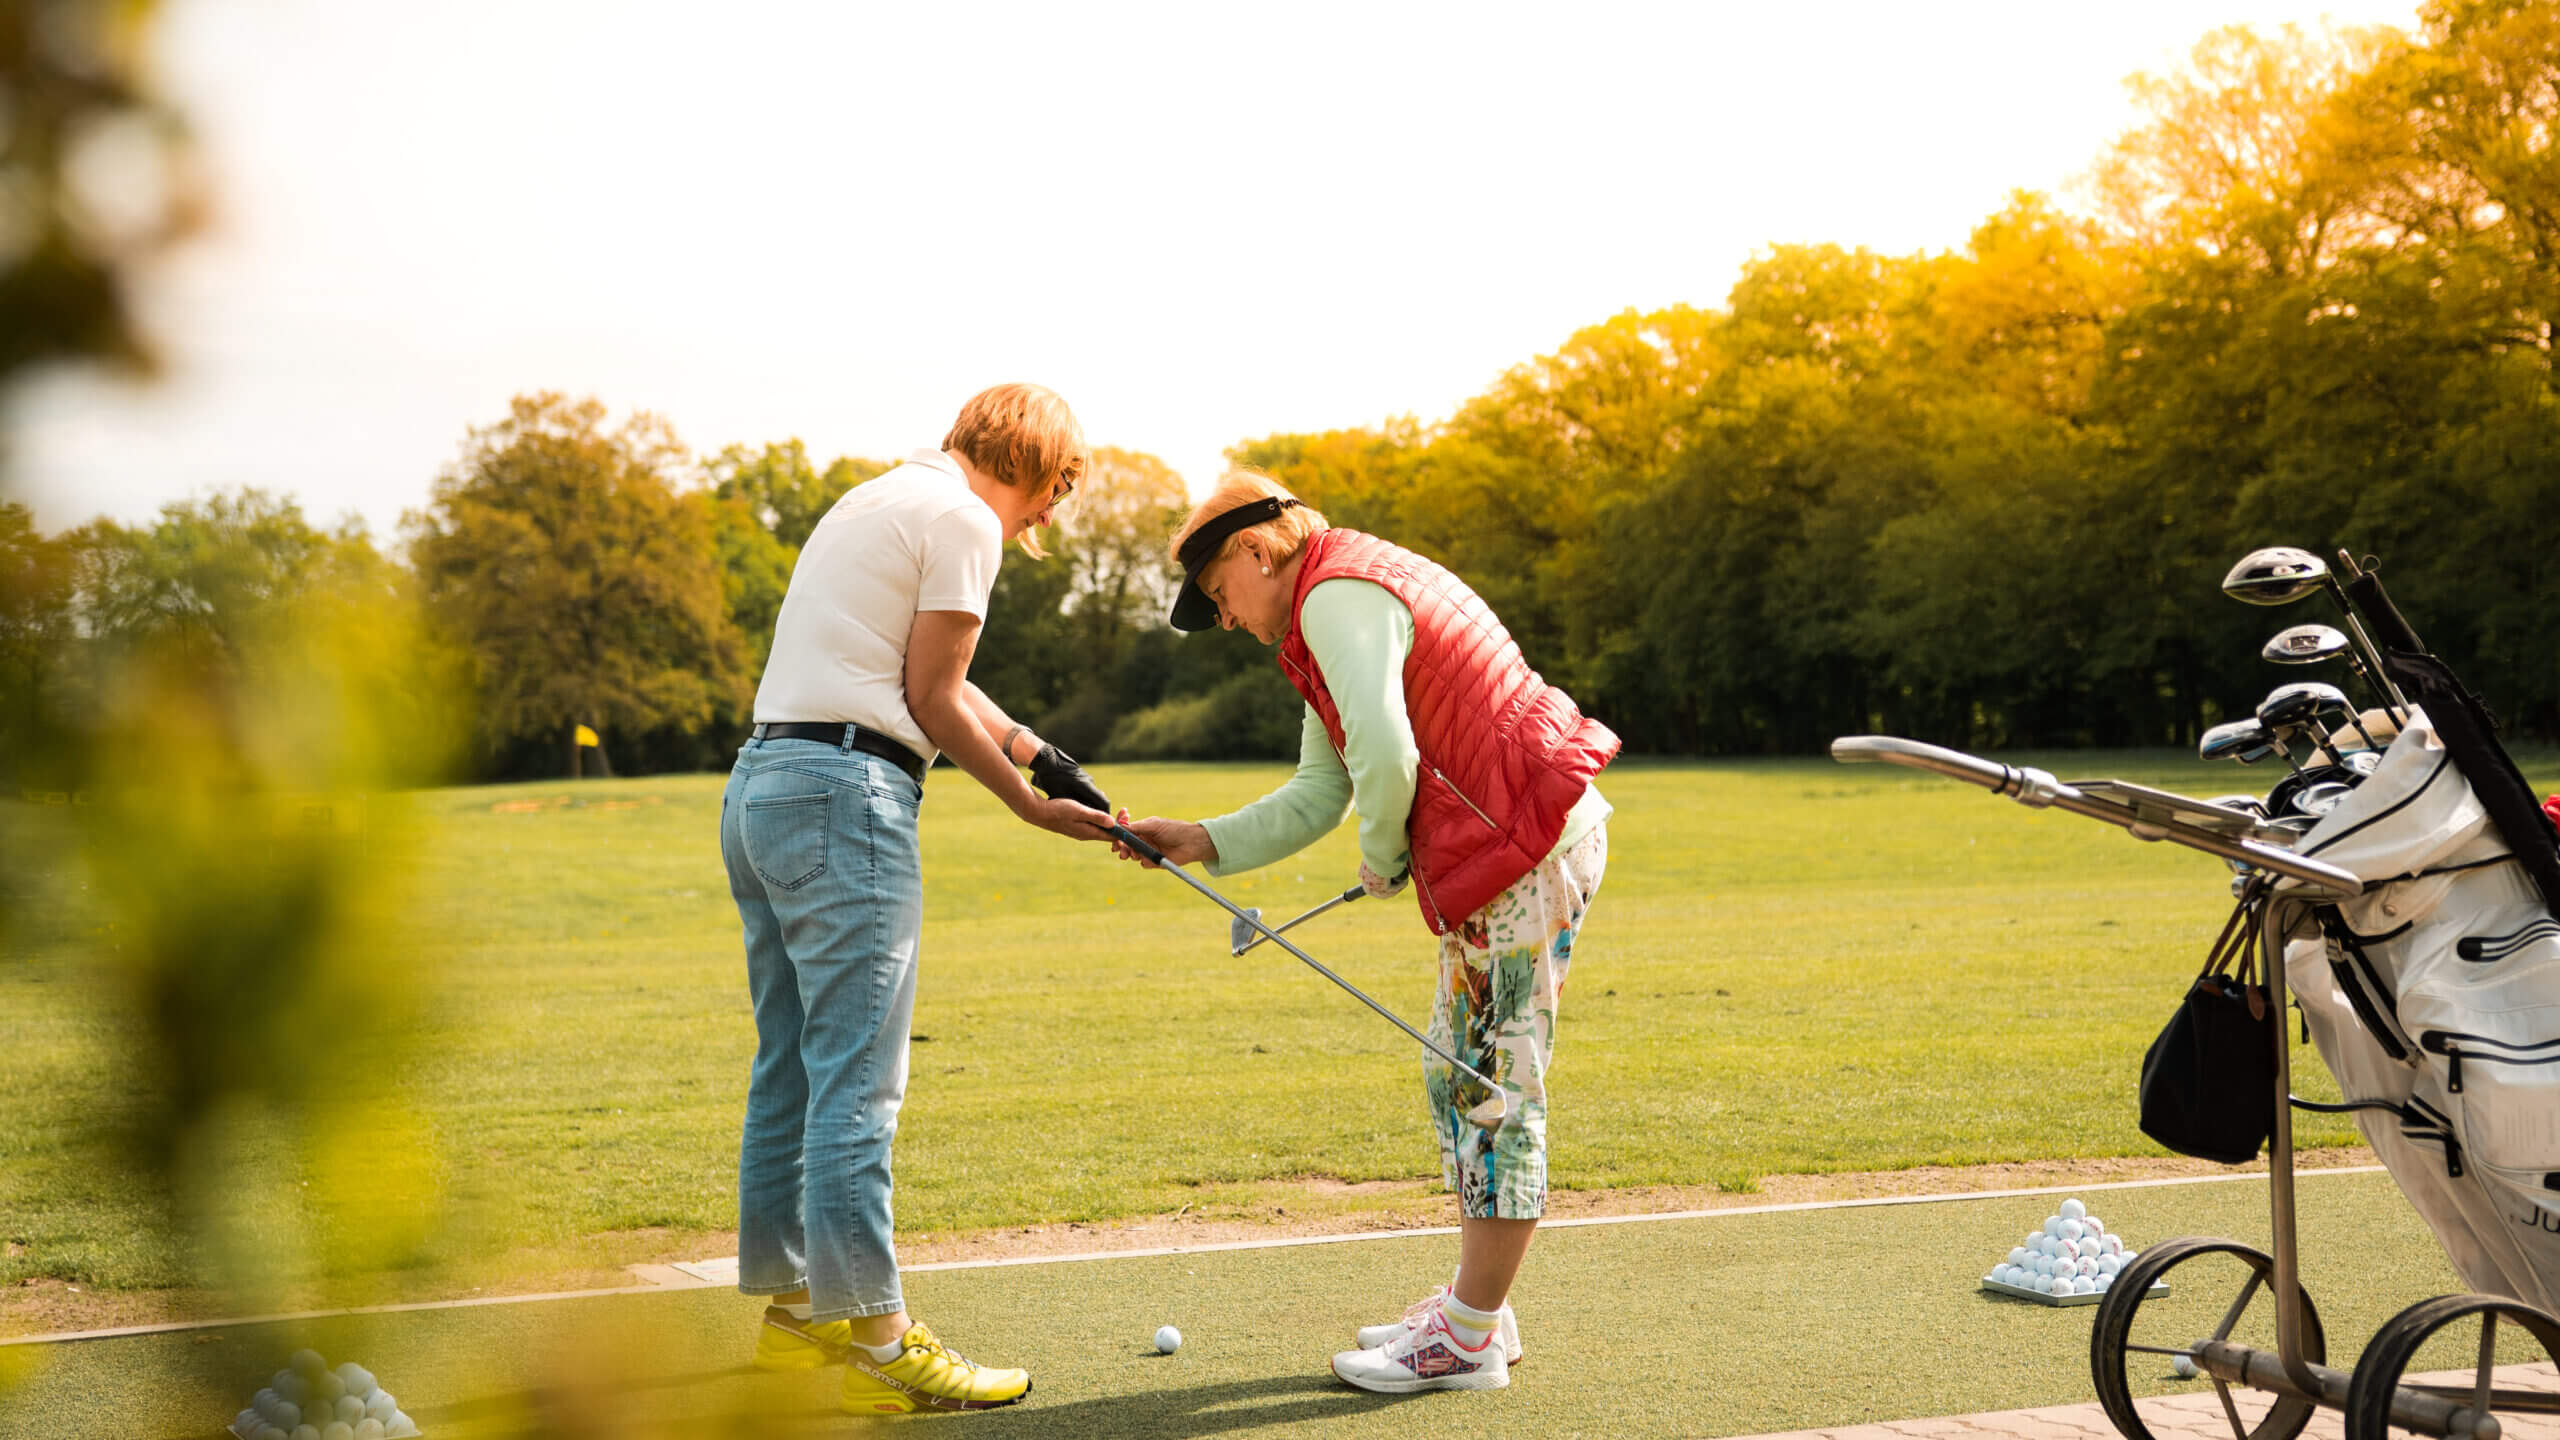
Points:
x=786, y=837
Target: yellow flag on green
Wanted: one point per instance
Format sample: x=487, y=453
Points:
x=587, y=736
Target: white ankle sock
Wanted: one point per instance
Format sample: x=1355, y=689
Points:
x=1471, y=1324
x=882, y=1354
x=799, y=1311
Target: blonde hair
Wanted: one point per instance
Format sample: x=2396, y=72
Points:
x=1023, y=436
x=1282, y=536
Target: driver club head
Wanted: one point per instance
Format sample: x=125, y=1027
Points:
x=2276, y=575
x=2305, y=645
x=1240, y=931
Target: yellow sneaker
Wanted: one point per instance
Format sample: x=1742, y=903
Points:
x=785, y=1342
x=926, y=1376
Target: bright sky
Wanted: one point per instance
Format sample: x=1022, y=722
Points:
x=1200, y=223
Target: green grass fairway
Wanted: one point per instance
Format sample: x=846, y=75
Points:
x=1793, y=966
x=1721, y=1326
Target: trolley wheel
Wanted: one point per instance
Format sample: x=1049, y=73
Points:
x=2112, y=1337
x=2384, y=1366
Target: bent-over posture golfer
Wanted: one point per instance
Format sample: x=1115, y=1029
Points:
x=868, y=678
x=1473, y=776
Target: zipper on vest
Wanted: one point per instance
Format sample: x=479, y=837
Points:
x=1462, y=798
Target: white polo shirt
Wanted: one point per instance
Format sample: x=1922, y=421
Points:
x=913, y=539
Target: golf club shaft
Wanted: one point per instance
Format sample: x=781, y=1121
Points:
x=2355, y=628
x=1345, y=898
x=1153, y=856
x=2356, y=663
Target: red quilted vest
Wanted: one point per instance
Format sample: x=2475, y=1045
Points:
x=1504, y=754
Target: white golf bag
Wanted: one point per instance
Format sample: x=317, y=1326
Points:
x=2434, y=997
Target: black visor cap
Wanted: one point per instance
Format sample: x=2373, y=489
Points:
x=1193, y=610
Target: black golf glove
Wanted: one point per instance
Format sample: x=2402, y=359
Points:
x=1061, y=778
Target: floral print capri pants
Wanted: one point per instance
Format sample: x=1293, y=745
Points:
x=1501, y=974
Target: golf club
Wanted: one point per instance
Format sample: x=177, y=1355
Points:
x=2282, y=574
x=2309, y=703
x=1487, y=1115
x=2334, y=708
x=2311, y=644
x=1240, y=930
x=2246, y=741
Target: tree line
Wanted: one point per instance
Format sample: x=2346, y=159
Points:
x=1982, y=496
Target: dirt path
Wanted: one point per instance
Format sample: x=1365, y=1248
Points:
x=1267, y=1211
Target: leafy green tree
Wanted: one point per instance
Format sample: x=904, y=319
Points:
x=579, y=577
x=781, y=490
x=1359, y=478
x=1116, y=529
x=755, y=572
x=37, y=637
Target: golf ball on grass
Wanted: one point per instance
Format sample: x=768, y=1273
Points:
x=1168, y=1340
x=2185, y=1368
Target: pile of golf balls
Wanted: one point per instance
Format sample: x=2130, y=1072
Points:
x=2072, y=1255
x=309, y=1401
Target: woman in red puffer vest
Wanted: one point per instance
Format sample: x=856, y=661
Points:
x=1472, y=777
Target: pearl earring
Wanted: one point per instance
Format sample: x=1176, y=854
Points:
x=1266, y=569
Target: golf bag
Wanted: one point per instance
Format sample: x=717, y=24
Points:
x=2434, y=998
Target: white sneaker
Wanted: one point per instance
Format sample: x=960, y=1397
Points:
x=1427, y=1356
x=1506, y=1326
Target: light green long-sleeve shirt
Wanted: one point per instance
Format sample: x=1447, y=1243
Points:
x=1360, y=635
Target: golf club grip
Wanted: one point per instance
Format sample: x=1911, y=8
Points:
x=1147, y=852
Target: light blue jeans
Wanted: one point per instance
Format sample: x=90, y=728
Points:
x=820, y=844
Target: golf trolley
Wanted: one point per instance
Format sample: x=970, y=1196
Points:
x=2403, y=902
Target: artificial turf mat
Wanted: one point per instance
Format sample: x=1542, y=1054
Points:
x=1724, y=1325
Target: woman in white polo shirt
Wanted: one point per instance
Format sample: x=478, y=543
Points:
x=867, y=681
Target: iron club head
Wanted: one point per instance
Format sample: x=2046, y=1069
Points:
x=2305, y=645
x=2276, y=575
x=1240, y=931
x=1490, y=1114
x=2289, y=706
x=2246, y=741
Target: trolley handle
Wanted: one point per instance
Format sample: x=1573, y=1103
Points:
x=2038, y=789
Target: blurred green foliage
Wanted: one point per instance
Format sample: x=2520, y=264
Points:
x=201, y=722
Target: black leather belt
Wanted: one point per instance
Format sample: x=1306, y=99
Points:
x=840, y=734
